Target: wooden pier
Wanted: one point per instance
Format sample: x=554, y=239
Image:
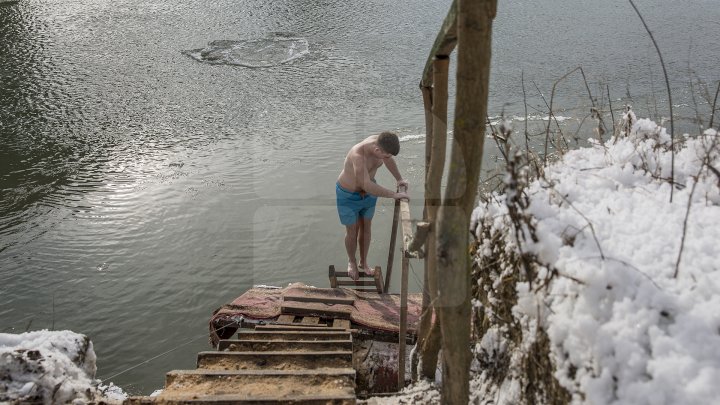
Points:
x=299, y=345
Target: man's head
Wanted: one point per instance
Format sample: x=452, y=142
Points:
x=388, y=142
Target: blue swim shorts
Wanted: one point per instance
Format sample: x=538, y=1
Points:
x=352, y=205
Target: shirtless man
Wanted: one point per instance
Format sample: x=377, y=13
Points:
x=357, y=193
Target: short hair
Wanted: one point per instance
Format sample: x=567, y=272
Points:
x=389, y=142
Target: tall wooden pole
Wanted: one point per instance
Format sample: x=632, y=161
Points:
x=431, y=337
x=391, y=252
x=403, y=321
x=424, y=323
x=474, y=24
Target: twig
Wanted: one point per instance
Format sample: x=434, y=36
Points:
x=667, y=83
x=684, y=232
x=712, y=114
x=527, y=140
x=612, y=259
x=705, y=162
x=592, y=228
x=612, y=115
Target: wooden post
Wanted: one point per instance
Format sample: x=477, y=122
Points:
x=430, y=335
x=391, y=252
x=474, y=25
x=332, y=277
x=403, y=322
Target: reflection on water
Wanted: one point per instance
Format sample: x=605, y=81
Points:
x=140, y=189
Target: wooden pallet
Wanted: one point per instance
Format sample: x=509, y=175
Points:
x=343, y=279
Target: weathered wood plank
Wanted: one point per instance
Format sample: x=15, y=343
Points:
x=359, y=282
x=316, y=310
x=241, y=399
x=416, y=243
x=444, y=44
x=393, y=238
x=324, y=300
x=403, y=322
x=296, y=327
x=361, y=274
x=294, y=335
x=286, y=319
x=271, y=360
x=378, y=279
x=341, y=323
x=310, y=320
x=332, y=276
x=280, y=345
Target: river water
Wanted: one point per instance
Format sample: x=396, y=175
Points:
x=145, y=182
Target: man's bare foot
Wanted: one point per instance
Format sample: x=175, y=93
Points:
x=353, y=271
x=367, y=269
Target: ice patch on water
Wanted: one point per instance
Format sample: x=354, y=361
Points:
x=273, y=50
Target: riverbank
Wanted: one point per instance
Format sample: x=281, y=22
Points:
x=591, y=286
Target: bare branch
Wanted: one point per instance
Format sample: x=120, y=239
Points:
x=667, y=84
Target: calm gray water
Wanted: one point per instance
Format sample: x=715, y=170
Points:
x=142, y=188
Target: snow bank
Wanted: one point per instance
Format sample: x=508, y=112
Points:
x=590, y=253
x=51, y=367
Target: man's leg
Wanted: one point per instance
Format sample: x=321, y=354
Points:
x=364, y=234
x=351, y=238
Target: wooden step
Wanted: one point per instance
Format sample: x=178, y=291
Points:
x=298, y=327
x=284, y=345
x=322, y=299
x=232, y=399
x=258, y=383
x=298, y=360
x=316, y=309
x=375, y=279
x=293, y=335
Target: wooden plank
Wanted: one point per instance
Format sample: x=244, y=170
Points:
x=418, y=240
x=359, y=282
x=333, y=278
x=324, y=300
x=391, y=252
x=328, y=312
x=280, y=345
x=403, y=323
x=296, y=327
x=310, y=320
x=294, y=335
x=378, y=280
x=444, y=44
x=271, y=360
x=286, y=319
x=242, y=399
x=341, y=323
x=361, y=274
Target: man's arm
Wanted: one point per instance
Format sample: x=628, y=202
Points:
x=363, y=178
x=392, y=167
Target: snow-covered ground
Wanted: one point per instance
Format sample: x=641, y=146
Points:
x=630, y=319
x=605, y=307
x=51, y=367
